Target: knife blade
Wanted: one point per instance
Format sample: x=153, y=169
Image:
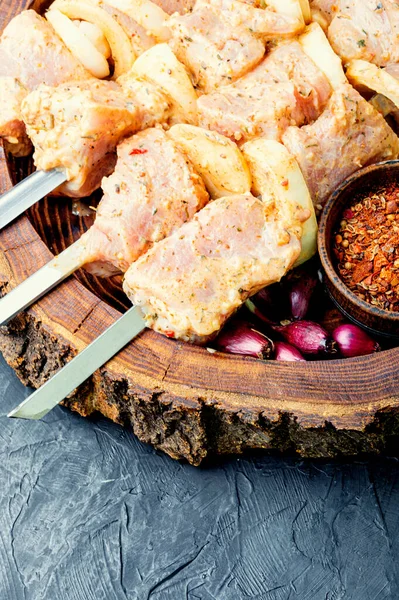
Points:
x=41, y=282
x=111, y=341
x=26, y=193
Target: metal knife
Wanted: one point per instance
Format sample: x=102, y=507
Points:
x=82, y=366
x=26, y=193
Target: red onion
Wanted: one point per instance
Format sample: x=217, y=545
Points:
x=255, y=311
x=269, y=304
x=353, y=341
x=286, y=352
x=300, y=292
x=307, y=337
x=240, y=338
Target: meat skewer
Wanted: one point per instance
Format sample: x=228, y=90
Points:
x=297, y=78
x=214, y=235
x=157, y=64
x=349, y=134
x=76, y=127
x=142, y=204
x=38, y=404
x=31, y=54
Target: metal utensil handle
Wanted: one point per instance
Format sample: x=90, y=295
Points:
x=41, y=282
x=26, y=193
x=82, y=366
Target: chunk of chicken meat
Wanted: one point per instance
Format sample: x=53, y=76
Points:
x=362, y=29
x=77, y=128
x=31, y=51
x=350, y=134
x=190, y=283
x=140, y=39
x=212, y=50
x=222, y=40
x=152, y=192
x=287, y=88
x=323, y=11
x=172, y=6
x=265, y=23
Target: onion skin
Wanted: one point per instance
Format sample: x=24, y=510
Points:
x=353, y=341
x=255, y=311
x=286, y=352
x=308, y=337
x=269, y=304
x=240, y=338
x=300, y=294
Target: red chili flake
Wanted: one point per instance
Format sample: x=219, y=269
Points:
x=367, y=248
x=138, y=151
x=285, y=183
x=348, y=214
x=169, y=334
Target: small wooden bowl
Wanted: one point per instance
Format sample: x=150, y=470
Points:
x=365, y=181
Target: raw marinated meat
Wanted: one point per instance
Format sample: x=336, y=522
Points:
x=350, y=134
x=189, y=284
x=31, y=54
x=285, y=89
x=152, y=192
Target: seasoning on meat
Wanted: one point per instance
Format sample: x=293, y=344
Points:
x=77, y=127
x=30, y=54
x=362, y=29
x=190, y=283
x=285, y=89
x=222, y=40
x=350, y=134
x=152, y=192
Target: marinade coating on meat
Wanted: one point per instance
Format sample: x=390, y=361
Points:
x=76, y=127
x=222, y=40
x=285, y=89
x=32, y=52
x=326, y=8
x=140, y=39
x=152, y=192
x=190, y=283
x=213, y=51
x=362, y=29
x=172, y=6
x=350, y=134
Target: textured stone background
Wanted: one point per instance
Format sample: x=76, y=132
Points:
x=89, y=513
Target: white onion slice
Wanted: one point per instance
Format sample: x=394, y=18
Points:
x=96, y=36
x=147, y=14
x=160, y=66
x=316, y=45
x=307, y=14
x=122, y=51
x=290, y=8
x=80, y=46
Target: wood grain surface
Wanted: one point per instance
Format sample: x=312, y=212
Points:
x=179, y=397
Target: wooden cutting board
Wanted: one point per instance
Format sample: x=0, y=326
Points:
x=185, y=401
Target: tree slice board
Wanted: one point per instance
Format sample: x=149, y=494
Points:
x=185, y=401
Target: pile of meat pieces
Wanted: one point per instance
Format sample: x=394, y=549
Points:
x=189, y=272
x=361, y=29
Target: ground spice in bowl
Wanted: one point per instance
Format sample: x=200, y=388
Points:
x=366, y=248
